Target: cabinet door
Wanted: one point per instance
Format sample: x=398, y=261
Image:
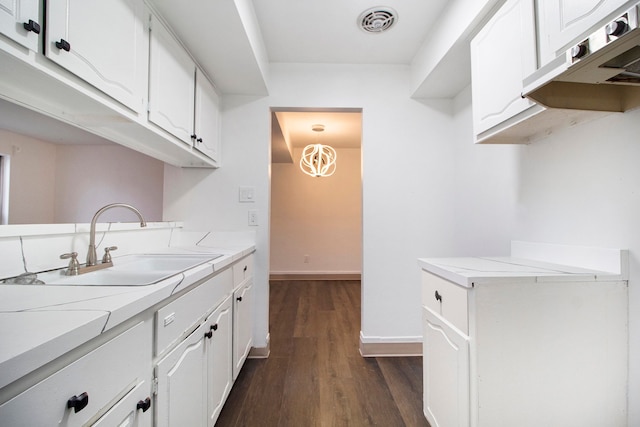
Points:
x=14, y=14
x=182, y=383
x=219, y=365
x=445, y=374
x=242, y=325
x=207, y=118
x=104, y=43
x=565, y=22
x=502, y=54
x=171, y=84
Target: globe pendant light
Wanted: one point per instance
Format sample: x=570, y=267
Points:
x=318, y=160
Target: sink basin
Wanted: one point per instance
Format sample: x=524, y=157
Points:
x=132, y=270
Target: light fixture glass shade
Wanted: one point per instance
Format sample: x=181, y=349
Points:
x=318, y=160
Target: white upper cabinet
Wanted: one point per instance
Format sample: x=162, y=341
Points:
x=562, y=23
x=207, y=118
x=20, y=21
x=171, y=84
x=104, y=43
x=503, y=53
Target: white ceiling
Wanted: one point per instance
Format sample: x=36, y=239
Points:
x=327, y=31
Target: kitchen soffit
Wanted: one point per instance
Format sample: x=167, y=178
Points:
x=248, y=35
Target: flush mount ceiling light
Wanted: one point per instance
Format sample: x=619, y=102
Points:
x=377, y=19
x=318, y=160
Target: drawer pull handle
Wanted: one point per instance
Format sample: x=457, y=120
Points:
x=245, y=268
x=239, y=299
x=214, y=327
x=32, y=26
x=144, y=404
x=78, y=403
x=63, y=45
x=438, y=296
x=208, y=334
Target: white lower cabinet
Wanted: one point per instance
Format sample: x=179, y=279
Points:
x=242, y=325
x=242, y=312
x=98, y=386
x=202, y=339
x=218, y=360
x=181, y=381
x=537, y=353
x=445, y=373
x=194, y=379
x=133, y=410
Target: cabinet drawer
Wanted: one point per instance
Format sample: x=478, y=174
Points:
x=106, y=374
x=125, y=413
x=176, y=318
x=242, y=270
x=447, y=299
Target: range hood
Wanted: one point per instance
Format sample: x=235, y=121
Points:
x=601, y=73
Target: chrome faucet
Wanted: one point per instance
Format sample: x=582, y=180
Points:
x=91, y=253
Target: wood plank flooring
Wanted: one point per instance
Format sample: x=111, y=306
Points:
x=315, y=375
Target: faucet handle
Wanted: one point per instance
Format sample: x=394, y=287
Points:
x=107, y=254
x=74, y=266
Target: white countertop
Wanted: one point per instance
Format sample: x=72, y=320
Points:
x=39, y=323
x=472, y=271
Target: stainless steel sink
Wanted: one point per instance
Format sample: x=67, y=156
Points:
x=132, y=270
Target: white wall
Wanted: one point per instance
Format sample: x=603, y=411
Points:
x=318, y=217
x=32, y=181
x=582, y=186
x=91, y=176
x=486, y=188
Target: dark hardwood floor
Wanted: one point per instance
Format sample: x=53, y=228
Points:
x=315, y=375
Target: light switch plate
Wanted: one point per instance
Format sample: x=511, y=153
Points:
x=247, y=194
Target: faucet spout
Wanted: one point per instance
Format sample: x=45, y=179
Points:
x=91, y=253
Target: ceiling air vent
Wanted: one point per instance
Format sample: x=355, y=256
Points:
x=377, y=19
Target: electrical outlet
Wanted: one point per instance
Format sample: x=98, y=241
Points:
x=306, y=259
x=253, y=217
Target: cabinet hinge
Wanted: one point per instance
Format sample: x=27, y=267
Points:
x=154, y=387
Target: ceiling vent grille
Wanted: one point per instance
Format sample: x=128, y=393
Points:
x=377, y=19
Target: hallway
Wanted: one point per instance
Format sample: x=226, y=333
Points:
x=315, y=375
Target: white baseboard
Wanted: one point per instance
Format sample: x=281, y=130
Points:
x=314, y=276
x=261, y=352
x=390, y=346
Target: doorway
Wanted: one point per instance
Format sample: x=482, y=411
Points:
x=315, y=222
